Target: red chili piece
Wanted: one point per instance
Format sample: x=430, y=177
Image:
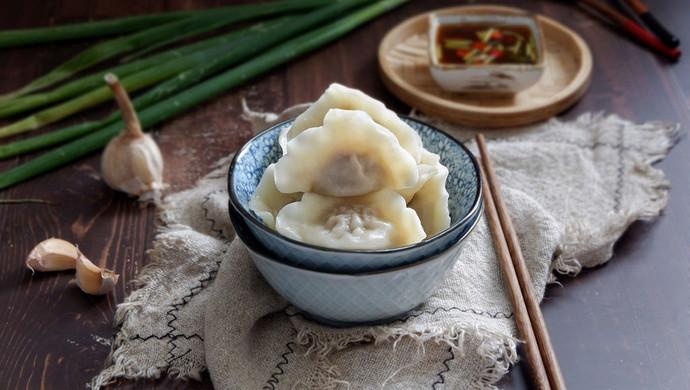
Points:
x=479, y=45
x=497, y=35
x=462, y=52
x=496, y=53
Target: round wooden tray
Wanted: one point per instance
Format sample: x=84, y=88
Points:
x=404, y=66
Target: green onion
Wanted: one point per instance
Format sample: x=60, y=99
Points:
x=208, y=61
x=233, y=50
x=199, y=93
x=28, y=200
x=470, y=56
x=531, y=49
x=54, y=137
x=131, y=83
x=87, y=83
x=180, y=29
x=516, y=48
x=457, y=43
x=101, y=28
x=264, y=37
x=485, y=35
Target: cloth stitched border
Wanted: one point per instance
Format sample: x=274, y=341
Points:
x=572, y=189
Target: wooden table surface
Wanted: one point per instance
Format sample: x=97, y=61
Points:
x=625, y=325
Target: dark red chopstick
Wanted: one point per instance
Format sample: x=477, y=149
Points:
x=634, y=29
x=653, y=24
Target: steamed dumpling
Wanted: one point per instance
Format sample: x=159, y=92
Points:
x=349, y=155
x=431, y=200
x=266, y=200
x=339, y=96
x=424, y=173
x=378, y=220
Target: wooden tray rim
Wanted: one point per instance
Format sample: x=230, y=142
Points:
x=486, y=116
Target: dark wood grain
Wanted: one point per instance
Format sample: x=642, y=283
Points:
x=620, y=326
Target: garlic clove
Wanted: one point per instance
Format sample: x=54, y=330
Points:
x=52, y=254
x=132, y=161
x=92, y=279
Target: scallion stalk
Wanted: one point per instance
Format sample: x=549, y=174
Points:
x=179, y=29
x=265, y=36
x=95, y=80
x=149, y=76
x=131, y=83
x=93, y=29
x=54, y=137
x=201, y=92
x=208, y=62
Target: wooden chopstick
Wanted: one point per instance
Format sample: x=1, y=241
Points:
x=524, y=325
x=525, y=302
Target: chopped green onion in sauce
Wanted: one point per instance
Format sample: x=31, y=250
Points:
x=480, y=44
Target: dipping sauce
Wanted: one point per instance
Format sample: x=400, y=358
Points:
x=482, y=44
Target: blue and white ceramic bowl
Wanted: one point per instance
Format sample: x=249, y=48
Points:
x=464, y=186
x=352, y=299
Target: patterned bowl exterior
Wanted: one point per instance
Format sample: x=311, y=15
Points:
x=355, y=299
x=464, y=186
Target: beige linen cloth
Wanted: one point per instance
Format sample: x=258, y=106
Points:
x=572, y=189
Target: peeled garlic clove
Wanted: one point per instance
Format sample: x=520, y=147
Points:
x=92, y=279
x=132, y=161
x=52, y=254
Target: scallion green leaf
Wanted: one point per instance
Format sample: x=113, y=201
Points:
x=180, y=29
x=95, y=80
x=201, y=92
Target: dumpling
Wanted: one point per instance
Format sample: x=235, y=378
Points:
x=378, y=220
x=431, y=200
x=266, y=200
x=424, y=173
x=339, y=96
x=349, y=155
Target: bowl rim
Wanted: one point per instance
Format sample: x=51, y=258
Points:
x=253, y=245
x=537, y=31
x=234, y=201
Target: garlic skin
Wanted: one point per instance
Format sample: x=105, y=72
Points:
x=92, y=279
x=132, y=161
x=52, y=254
x=133, y=164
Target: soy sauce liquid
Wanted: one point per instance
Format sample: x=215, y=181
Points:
x=469, y=32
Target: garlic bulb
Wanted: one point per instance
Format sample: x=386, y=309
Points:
x=132, y=161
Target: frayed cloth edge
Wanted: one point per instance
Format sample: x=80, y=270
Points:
x=568, y=260
x=116, y=366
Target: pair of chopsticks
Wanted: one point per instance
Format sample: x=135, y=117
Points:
x=653, y=24
x=664, y=42
x=544, y=367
